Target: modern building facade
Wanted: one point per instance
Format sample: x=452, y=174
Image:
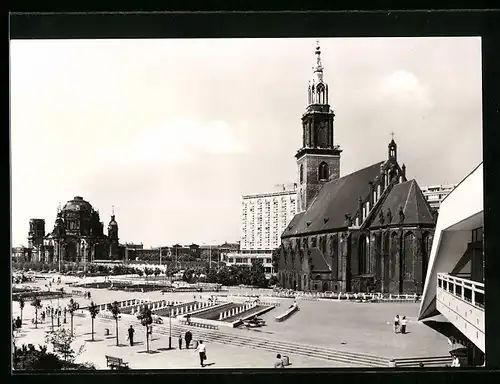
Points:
x=264, y=217
x=435, y=194
x=367, y=231
x=453, y=297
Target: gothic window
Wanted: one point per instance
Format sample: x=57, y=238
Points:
x=362, y=256
x=321, y=93
x=393, y=254
x=408, y=256
x=323, y=171
x=301, y=173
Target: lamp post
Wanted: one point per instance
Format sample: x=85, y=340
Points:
x=170, y=325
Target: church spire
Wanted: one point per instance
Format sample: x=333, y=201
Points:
x=317, y=92
x=318, y=67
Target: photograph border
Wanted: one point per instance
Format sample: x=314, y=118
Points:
x=302, y=24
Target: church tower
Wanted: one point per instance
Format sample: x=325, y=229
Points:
x=318, y=160
x=113, y=236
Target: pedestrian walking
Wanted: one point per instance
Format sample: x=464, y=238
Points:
x=396, y=324
x=279, y=362
x=188, y=337
x=180, y=341
x=43, y=317
x=202, y=350
x=403, y=325
x=131, y=335
x=19, y=323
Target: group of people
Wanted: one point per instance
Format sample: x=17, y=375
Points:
x=400, y=324
x=188, y=337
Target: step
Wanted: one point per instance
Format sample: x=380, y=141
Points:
x=258, y=343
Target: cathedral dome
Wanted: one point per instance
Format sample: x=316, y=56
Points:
x=77, y=204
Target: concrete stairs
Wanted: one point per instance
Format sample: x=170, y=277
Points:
x=349, y=359
x=428, y=362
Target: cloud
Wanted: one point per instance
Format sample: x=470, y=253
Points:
x=178, y=141
x=405, y=88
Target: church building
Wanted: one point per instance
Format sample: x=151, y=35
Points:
x=78, y=236
x=367, y=231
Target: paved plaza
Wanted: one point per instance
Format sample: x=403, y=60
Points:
x=345, y=326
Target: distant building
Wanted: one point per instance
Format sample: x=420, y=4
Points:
x=434, y=194
x=264, y=217
x=18, y=253
x=78, y=236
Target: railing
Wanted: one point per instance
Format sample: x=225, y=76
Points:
x=197, y=324
x=467, y=290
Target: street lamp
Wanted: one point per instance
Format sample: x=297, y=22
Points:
x=170, y=306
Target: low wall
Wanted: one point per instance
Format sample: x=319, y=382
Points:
x=260, y=312
x=287, y=314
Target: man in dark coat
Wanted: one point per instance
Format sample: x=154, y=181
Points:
x=131, y=335
x=188, y=337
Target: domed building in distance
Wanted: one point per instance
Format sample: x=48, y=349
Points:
x=78, y=236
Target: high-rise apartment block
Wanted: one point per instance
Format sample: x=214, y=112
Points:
x=264, y=217
x=435, y=194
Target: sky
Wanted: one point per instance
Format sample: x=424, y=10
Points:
x=171, y=132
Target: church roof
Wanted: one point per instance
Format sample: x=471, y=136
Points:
x=318, y=262
x=408, y=196
x=334, y=200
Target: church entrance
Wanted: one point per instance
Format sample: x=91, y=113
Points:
x=325, y=286
x=71, y=252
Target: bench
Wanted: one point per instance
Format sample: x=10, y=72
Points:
x=115, y=362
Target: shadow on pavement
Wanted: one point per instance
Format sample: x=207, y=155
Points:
x=93, y=341
x=150, y=352
x=119, y=345
x=166, y=349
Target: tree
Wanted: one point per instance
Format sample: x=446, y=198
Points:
x=275, y=258
x=157, y=271
x=273, y=281
x=93, y=310
x=114, y=308
x=188, y=276
x=61, y=341
x=28, y=357
x=146, y=318
x=37, y=304
x=213, y=276
x=72, y=307
x=21, y=305
x=148, y=272
x=257, y=274
x=139, y=272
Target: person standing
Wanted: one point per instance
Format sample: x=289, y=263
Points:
x=403, y=325
x=180, y=342
x=187, y=338
x=19, y=323
x=202, y=350
x=131, y=335
x=396, y=324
